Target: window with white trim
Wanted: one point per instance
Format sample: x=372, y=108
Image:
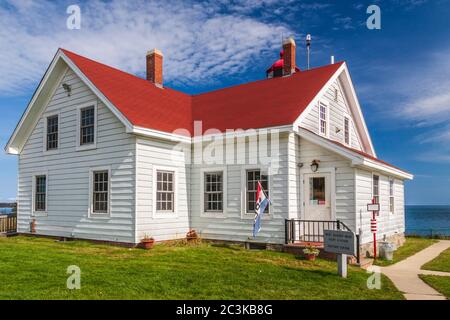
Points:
x=376, y=188
x=323, y=122
x=165, y=194
x=391, y=196
x=40, y=193
x=252, y=178
x=52, y=133
x=347, y=130
x=87, y=125
x=213, y=191
x=100, y=191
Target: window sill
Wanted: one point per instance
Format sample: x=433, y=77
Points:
x=209, y=214
x=103, y=216
x=50, y=152
x=164, y=215
x=37, y=214
x=86, y=147
x=251, y=216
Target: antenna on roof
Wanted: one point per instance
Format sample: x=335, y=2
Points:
x=308, y=47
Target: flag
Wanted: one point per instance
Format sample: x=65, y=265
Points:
x=261, y=204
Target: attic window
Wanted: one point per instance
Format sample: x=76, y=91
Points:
x=347, y=130
x=323, y=121
x=336, y=95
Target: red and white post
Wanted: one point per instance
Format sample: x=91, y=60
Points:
x=373, y=228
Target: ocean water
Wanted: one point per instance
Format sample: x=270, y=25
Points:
x=5, y=210
x=428, y=220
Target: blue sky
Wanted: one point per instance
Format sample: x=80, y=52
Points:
x=401, y=72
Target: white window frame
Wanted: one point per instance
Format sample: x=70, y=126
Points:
x=346, y=116
x=91, y=212
x=211, y=214
x=78, y=135
x=244, y=169
x=46, y=116
x=391, y=179
x=379, y=186
x=166, y=214
x=38, y=213
x=327, y=120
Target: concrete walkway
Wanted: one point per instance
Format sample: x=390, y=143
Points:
x=405, y=273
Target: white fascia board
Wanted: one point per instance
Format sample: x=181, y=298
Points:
x=388, y=169
x=48, y=72
x=316, y=99
x=97, y=92
x=240, y=133
x=358, y=109
x=356, y=159
x=159, y=134
x=323, y=142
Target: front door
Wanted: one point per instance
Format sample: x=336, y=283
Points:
x=317, y=196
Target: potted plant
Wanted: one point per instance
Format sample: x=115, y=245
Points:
x=147, y=242
x=191, y=235
x=311, y=253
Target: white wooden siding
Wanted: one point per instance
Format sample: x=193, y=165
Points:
x=344, y=178
x=235, y=225
x=68, y=172
x=336, y=112
x=151, y=153
x=387, y=224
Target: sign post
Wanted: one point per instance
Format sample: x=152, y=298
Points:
x=375, y=208
x=342, y=243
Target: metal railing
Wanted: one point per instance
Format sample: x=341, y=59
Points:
x=297, y=230
x=8, y=224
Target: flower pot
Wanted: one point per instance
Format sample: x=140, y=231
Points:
x=191, y=235
x=147, y=243
x=310, y=257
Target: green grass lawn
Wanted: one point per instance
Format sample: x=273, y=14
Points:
x=35, y=268
x=441, y=263
x=412, y=245
x=441, y=284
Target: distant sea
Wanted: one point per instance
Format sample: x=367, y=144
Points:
x=420, y=220
x=5, y=210
x=428, y=220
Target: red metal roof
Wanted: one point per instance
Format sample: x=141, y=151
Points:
x=141, y=102
x=260, y=104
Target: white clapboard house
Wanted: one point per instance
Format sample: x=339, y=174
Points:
x=106, y=155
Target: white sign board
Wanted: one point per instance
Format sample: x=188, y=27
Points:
x=341, y=242
x=373, y=207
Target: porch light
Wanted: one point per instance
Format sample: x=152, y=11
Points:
x=315, y=165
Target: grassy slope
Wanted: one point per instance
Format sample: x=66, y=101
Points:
x=441, y=284
x=34, y=268
x=441, y=263
x=411, y=246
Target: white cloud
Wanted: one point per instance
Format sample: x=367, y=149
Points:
x=200, y=41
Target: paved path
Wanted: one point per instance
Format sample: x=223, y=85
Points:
x=405, y=273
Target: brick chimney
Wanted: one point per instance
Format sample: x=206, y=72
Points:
x=289, y=56
x=155, y=67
